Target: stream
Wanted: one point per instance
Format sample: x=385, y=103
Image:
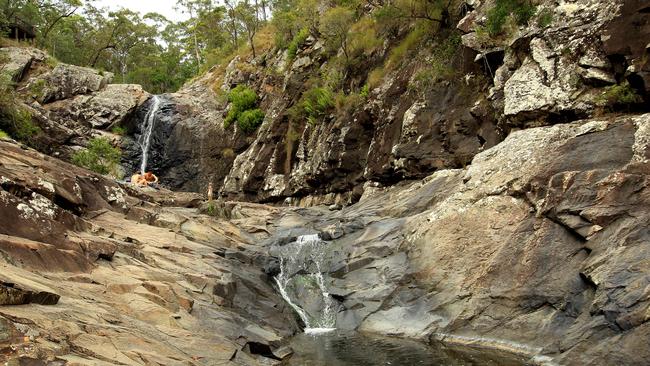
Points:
x=302, y=282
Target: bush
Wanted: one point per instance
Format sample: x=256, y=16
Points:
x=249, y=120
x=365, y=92
x=622, y=95
x=347, y=104
x=100, y=157
x=521, y=10
x=443, y=53
x=243, y=109
x=409, y=43
x=296, y=42
x=14, y=119
x=119, y=130
x=545, y=18
x=3, y=135
x=316, y=103
x=211, y=209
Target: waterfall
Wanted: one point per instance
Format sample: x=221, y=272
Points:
x=302, y=260
x=147, y=128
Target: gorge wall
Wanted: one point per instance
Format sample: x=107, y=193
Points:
x=543, y=74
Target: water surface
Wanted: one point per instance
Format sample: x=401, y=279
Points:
x=339, y=348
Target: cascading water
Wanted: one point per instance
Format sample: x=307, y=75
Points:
x=301, y=261
x=147, y=129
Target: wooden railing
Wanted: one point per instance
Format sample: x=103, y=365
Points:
x=21, y=26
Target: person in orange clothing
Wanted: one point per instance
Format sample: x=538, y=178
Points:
x=150, y=178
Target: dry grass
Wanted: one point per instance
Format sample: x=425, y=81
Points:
x=10, y=42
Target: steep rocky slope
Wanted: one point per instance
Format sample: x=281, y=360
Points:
x=569, y=63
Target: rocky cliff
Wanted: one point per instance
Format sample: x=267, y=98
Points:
x=571, y=62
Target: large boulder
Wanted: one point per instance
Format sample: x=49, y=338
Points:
x=111, y=106
x=66, y=81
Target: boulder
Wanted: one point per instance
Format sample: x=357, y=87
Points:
x=111, y=106
x=66, y=81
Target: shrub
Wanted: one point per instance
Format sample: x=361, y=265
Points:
x=363, y=37
x=364, y=92
x=100, y=157
x=119, y=130
x=24, y=128
x=297, y=41
x=250, y=119
x=211, y=209
x=545, y=18
x=316, y=103
x=243, y=109
x=443, y=53
x=622, y=95
x=241, y=98
x=37, y=88
x=3, y=135
x=408, y=44
x=14, y=119
x=521, y=10
x=347, y=104
x=376, y=76
x=228, y=153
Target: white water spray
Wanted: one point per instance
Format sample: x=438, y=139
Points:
x=295, y=257
x=145, y=137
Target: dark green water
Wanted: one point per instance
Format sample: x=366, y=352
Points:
x=355, y=349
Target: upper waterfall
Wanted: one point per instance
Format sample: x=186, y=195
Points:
x=147, y=128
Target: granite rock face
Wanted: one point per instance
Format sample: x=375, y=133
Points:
x=538, y=248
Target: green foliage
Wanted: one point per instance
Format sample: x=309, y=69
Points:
x=211, y=209
x=443, y=54
x=37, y=88
x=520, y=10
x=243, y=109
x=316, y=102
x=622, y=95
x=249, y=120
x=365, y=91
x=100, y=157
x=51, y=62
x=545, y=18
x=296, y=42
x=335, y=26
x=3, y=135
x=14, y=118
x=410, y=43
x=119, y=130
x=24, y=128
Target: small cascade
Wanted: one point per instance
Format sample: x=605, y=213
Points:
x=147, y=129
x=300, y=272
